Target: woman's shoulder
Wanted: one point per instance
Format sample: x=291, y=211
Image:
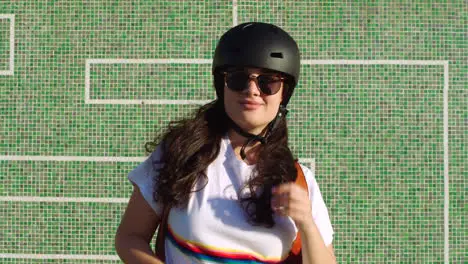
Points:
x=308, y=170
x=147, y=169
x=144, y=174
x=309, y=175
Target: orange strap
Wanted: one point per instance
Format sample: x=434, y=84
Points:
x=294, y=255
x=301, y=181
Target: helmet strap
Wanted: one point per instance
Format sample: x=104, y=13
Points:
x=251, y=138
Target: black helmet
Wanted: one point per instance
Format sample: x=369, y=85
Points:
x=259, y=45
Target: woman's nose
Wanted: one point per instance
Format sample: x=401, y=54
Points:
x=252, y=88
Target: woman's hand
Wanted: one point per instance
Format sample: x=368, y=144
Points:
x=290, y=199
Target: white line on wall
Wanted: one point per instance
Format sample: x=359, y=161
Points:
x=42, y=199
x=90, y=62
x=446, y=166
x=72, y=158
x=58, y=256
x=234, y=13
x=11, y=65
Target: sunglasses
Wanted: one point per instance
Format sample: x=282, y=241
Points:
x=238, y=81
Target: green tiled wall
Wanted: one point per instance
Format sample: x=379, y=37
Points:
x=376, y=132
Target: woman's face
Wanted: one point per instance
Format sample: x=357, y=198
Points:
x=245, y=102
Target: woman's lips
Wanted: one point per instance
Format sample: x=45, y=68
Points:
x=250, y=105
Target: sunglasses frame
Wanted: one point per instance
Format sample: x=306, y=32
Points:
x=255, y=79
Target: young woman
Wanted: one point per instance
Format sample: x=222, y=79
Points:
x=226, y=175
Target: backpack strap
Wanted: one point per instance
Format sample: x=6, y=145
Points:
x=295, y=255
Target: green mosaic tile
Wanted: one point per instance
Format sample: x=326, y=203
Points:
x=376, y=132
x=135, y=81
x=66, y=179
x=59, y=228
x=66, y=261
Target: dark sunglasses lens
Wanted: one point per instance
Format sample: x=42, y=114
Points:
x=237, y=81
x=269, y=84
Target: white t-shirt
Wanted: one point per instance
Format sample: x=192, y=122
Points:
x=212, y=227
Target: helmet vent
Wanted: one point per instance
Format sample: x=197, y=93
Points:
x=276, y=55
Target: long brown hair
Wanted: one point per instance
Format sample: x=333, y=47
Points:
x=191, y=144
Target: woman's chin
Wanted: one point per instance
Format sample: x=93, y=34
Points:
x=252, y=125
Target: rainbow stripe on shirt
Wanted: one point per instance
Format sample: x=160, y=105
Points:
x=220, y=255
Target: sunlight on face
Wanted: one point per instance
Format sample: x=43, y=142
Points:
x=251, y=109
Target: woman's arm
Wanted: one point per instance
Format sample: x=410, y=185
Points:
x=313, y=246
x=136, y=229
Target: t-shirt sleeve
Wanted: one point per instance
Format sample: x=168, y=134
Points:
x=319, y=209
x=144, y=175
